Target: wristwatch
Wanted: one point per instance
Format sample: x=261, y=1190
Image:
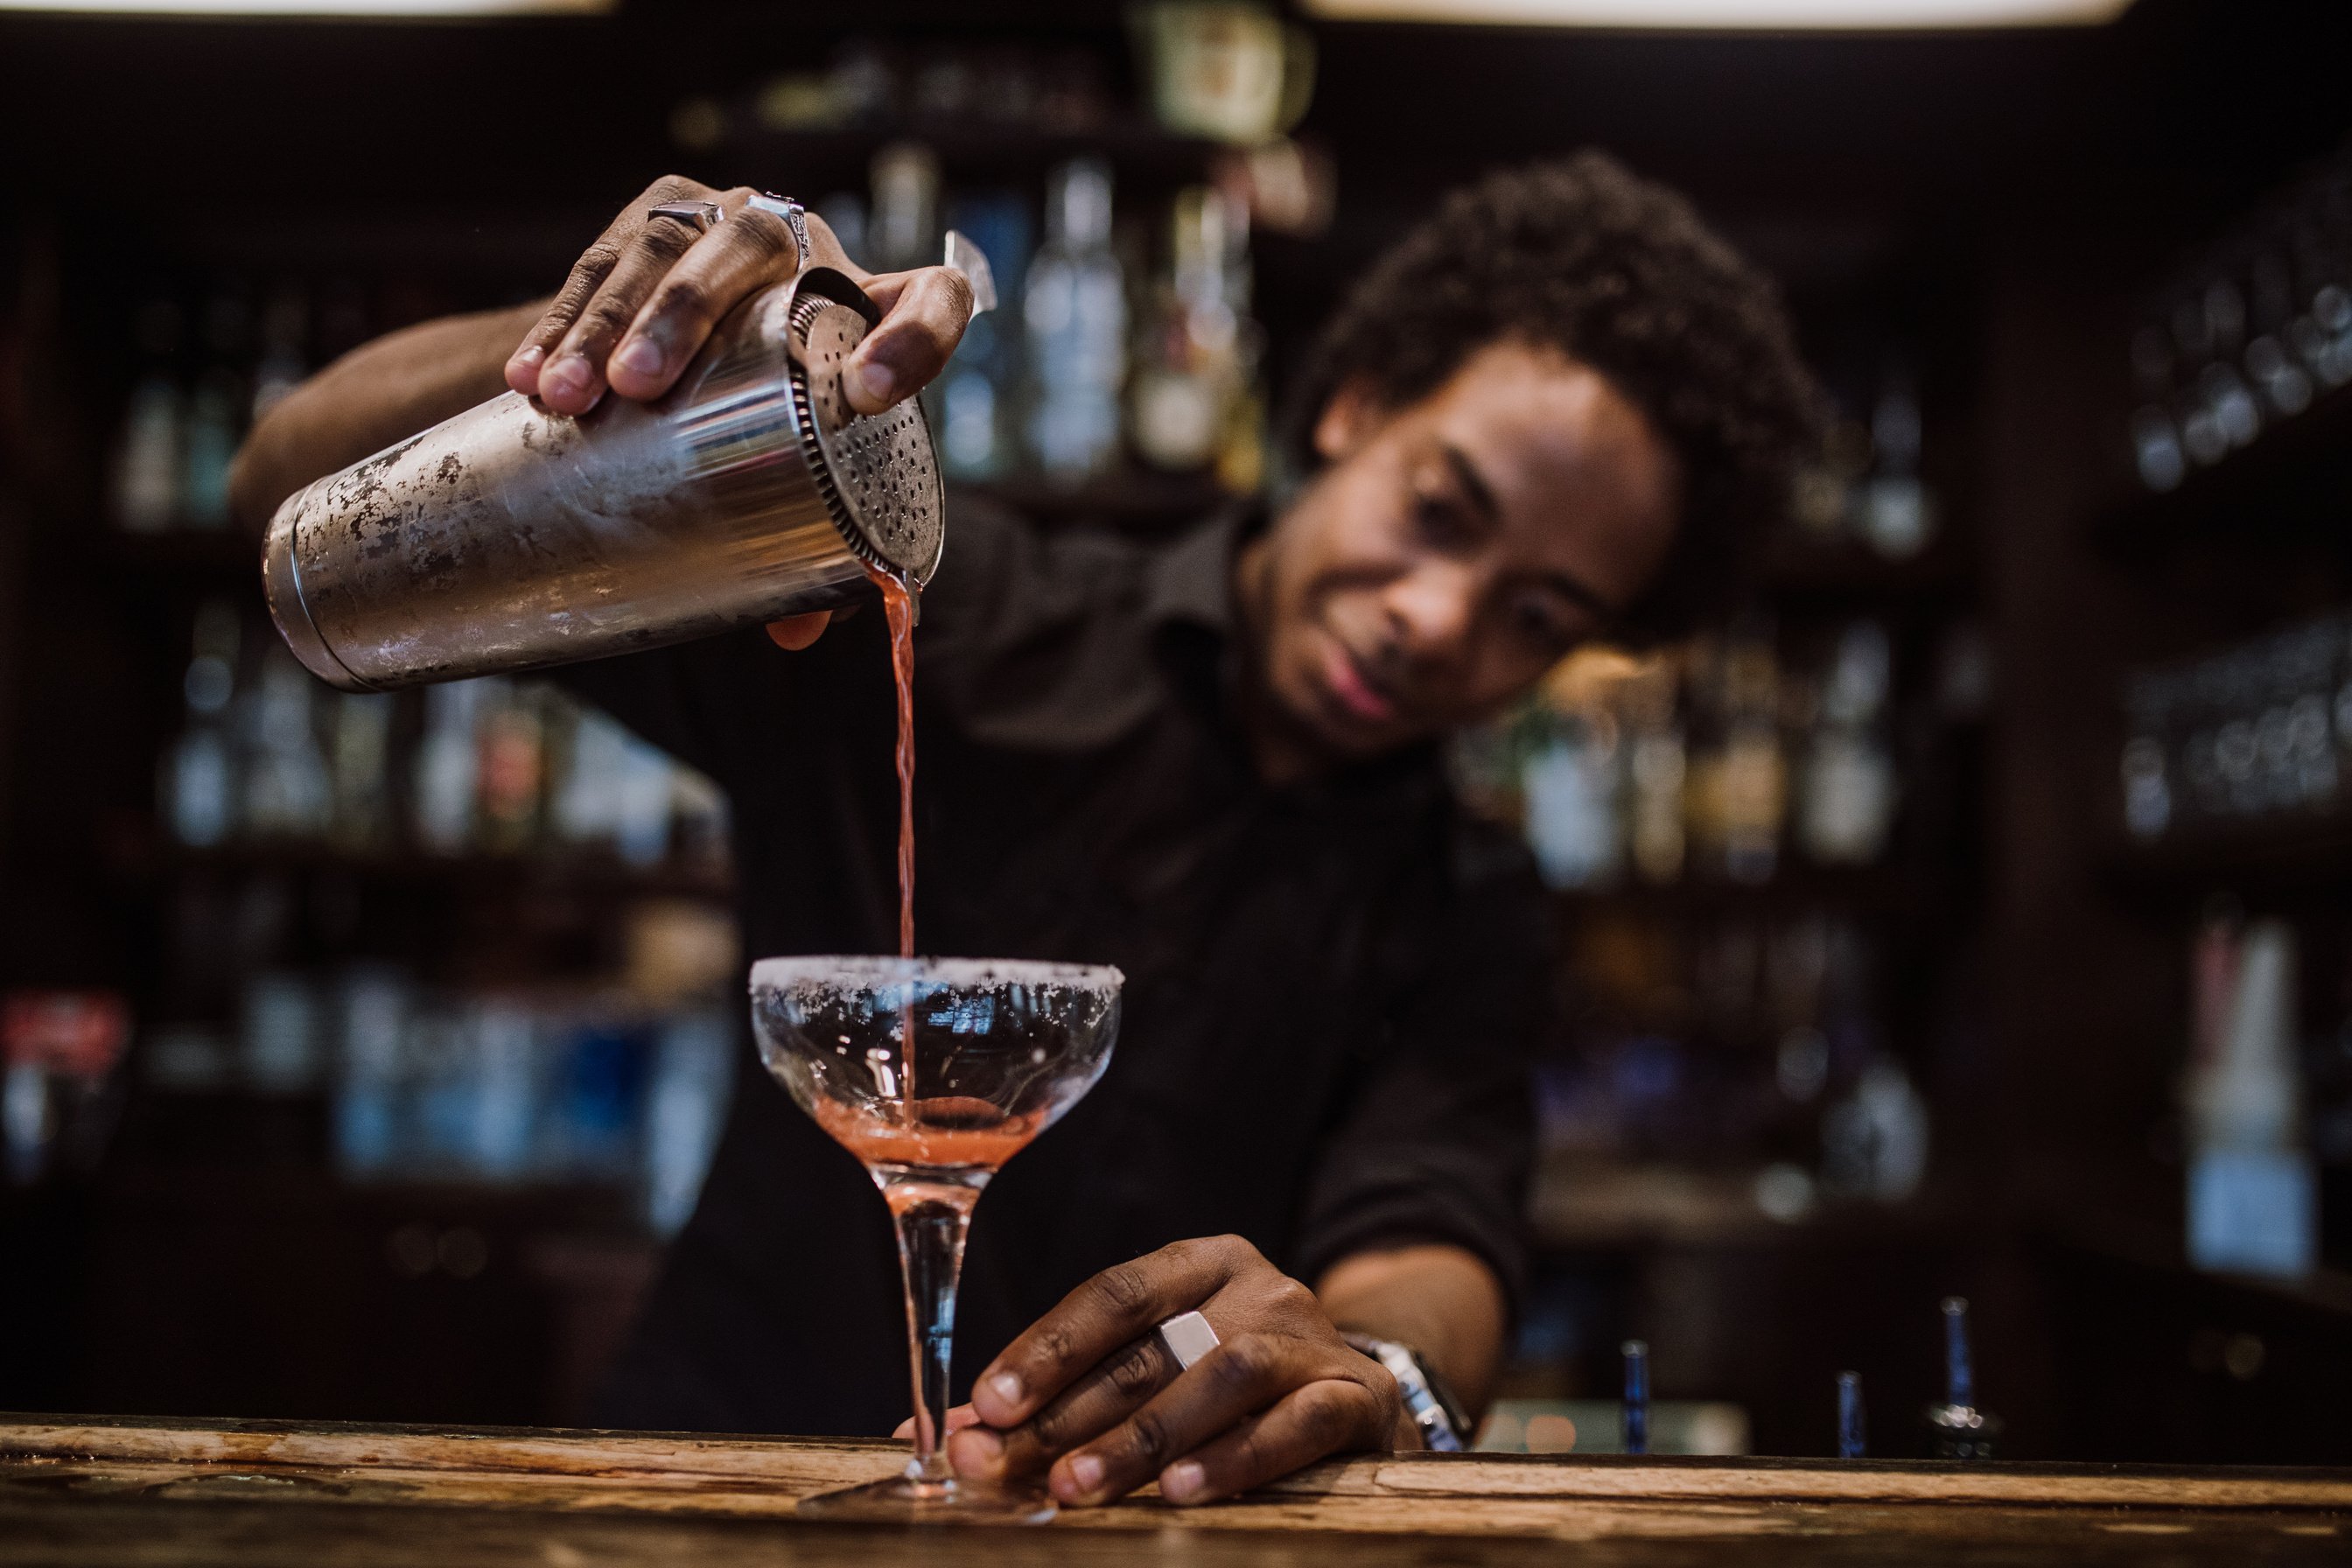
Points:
x=1443, y=1426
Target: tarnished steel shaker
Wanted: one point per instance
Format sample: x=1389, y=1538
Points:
x=509, y=538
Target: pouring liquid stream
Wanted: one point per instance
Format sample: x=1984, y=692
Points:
x=898, y=608
x=899, y=605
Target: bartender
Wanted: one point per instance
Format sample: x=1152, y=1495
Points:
x=1557, y=409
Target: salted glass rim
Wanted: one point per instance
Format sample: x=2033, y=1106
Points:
x=856, y=971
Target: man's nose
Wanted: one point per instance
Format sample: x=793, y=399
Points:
x=1431, y=610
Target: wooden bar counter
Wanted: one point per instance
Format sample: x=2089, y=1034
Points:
x=131, y=1491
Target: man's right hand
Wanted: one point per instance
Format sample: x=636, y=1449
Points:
x=638, y=305
x=641, y=301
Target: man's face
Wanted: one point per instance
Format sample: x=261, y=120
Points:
x=1452, y=551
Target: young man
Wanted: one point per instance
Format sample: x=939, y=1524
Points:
x=1552, y=413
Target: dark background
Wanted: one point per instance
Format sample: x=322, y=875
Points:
x=1993, y=202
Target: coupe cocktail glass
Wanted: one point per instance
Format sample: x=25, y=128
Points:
x=933, y=1072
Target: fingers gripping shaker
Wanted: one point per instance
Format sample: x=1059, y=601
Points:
x=510, y=538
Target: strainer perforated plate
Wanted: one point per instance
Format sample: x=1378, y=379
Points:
x=878, y=472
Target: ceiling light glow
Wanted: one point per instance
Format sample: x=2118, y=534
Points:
x=1858, y=15
x=307, y=10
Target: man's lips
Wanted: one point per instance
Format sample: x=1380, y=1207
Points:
x=1346, y=681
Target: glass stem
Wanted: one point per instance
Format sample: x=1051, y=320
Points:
x=933, y=1220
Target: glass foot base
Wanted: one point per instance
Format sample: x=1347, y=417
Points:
x=903, y=1501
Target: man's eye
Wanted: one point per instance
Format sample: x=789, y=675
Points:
x=1441, y=521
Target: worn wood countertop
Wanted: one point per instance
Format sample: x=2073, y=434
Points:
x=263, y=1494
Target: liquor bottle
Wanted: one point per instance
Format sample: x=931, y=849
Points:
x=1188, y=363
x=1850, y=790
x=905, y=230
x=1898, y=515
x=208, y=447
x=845, y=213
x=215, y=416
x=686, y=1106
x=286, y=787
x=978, y=437
x=2285, y=385
x=200, y=772
x=644, y=798
x=2252, y=1188
x=285, y=322
x=446, y=765
x=616, y=792
x=1572, y=783
x=583, y=806
x=2260, y=728
x=1076, y=315
x=1875, y=1142
x=2156, y=454
x=1658, y=769
x=362, y=765
x=2262, y=324
x=511, y=768
x=503, y=1073
x=1739, y=785
x=371, y=1121
x=279, y=1037
x=2148, y=703
x=146, y=479
x=2225, y=413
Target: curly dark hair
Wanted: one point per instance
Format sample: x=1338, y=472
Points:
x=1586, y=256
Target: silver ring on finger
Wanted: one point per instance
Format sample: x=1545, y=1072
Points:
x=795, y=218
x=1188, y=1337
x=699, y=215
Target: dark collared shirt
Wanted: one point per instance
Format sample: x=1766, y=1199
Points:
x=1330, y=988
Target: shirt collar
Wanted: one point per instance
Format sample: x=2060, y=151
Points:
x=1191, y=582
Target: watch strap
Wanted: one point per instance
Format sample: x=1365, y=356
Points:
x=1444, y=1427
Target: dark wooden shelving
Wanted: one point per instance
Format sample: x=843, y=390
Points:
x=359, y=1315
x=1796, y=886
x=2165, y=1358
x=1580, y=1204
x=971, y=148
x=1134, y=500
x=213, y=558
x=2294, y=476
x=2305, y=855
x=1846, y=575
x=2121, y=1241
x=580, y=876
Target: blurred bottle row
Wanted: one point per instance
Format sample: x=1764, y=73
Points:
x=1707, y=762
x=1867, y=485
x=2266, y=1105
x=195, y=392
x=1114, y=343
x=1737, y=1042
x=2258, y=731
x=490, y=766
x=1226, y=71
x=59, y=1092
x=585, y=1086
x=2249, y=333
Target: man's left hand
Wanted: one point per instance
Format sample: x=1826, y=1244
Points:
x=1090, y=1394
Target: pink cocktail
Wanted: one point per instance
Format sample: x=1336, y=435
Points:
x=933, y=1072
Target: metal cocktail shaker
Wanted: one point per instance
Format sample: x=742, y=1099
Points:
x=509, y=538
